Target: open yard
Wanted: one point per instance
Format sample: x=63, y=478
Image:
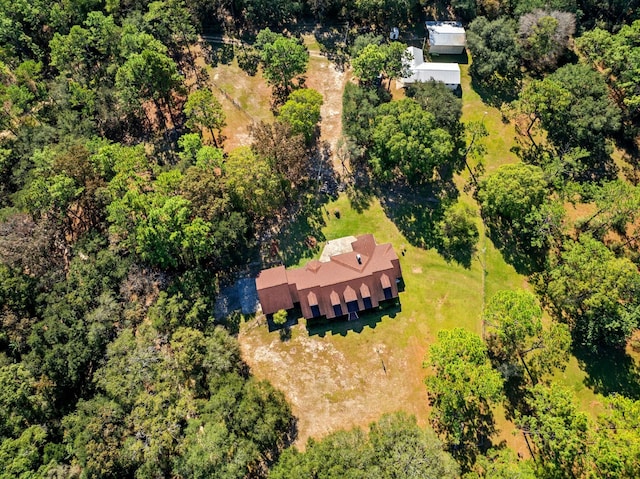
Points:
x=347, y=374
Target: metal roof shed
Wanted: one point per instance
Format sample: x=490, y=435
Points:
x=446, y=38
x=420, y=71
x=447, y=73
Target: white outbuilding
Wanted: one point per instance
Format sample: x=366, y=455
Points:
x=421, y=71
x=446, y=38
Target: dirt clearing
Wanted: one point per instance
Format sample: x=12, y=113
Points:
x=340, y=379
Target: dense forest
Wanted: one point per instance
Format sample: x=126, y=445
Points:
x=122, y=213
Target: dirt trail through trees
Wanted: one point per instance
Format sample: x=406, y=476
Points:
x=324, y=77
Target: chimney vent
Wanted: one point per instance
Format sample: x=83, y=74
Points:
x=359, y=258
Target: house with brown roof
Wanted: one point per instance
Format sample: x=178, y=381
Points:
x=355, y=278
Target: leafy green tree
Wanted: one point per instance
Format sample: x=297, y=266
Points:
x=459, y=233
x=374, y=59
x=558, y=430
x=494, y=53
x=95, y=432
x=177, y=403
x=22, y=29
x=394, y=447
x=18, y=293
x=151, y=218
x=88, y=52
x=280, y=317
x=370, y=63
x=361, y=41
x=462, y=388
x=517, y=339
x=436, y=98
x=22, y=92
x=509, y=199
x=203, y=110
x=302, y=112
x=25, y=455
x=171, y=22
x=616, y=56
x=260, y=13
x=522, y=7
x=501, y=464
x=149, y=75
x=282, y=58
x=406, y=143
x=573, y=106
x=615, y=450
x=359, y=109
x=402, y=449
x=21, y=402
x=385, y=12
x=252, y=183
x=76, y=322
x=594, y=292
x=544, y=37
x=618, y=206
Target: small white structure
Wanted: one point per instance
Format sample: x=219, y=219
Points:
x=447, y=38
x=395, y=33
x=421, y=71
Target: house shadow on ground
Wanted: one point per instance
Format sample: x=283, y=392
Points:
x=293, y=317
x=610, y=372
x=461, y=59
x=342, y=326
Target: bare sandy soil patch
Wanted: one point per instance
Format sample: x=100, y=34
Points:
x=339, y=381
x=324, y=77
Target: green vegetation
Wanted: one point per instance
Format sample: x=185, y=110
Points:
x=462, y=390
x=301, y=112
x=394, y=447
x=282, y=59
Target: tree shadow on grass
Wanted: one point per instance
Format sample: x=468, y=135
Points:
x=332, y=40
x=610, y=371
x=297, y=232
x=476, y=439
x=342, y=326
x=299, y=236
x=516, y=250
x=495, y=96
x=220, y=53
x=417, y=210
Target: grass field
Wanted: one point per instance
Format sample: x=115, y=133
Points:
x=341, y=374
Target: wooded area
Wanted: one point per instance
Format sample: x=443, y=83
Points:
x=123, y=212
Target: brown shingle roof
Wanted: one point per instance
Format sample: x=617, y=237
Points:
x=349, y=294
x=345, y=267
x=271, y=277
x=312, y=298
x=339, y=279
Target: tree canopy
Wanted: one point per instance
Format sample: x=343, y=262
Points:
x=394, y=447
x=595, y=292
x=462, y=389
x=406, y=142
x=282, y=58
x=517, y=339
